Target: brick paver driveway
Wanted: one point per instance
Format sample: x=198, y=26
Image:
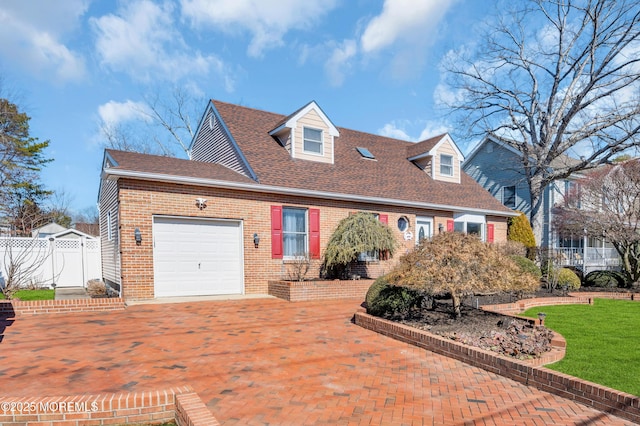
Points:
x=266, y=361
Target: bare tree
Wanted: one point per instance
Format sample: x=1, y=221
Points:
x=177, y=116
x=87, y=220
x=554, y=78
x=22, y=263
x=169, y=125
x=607, y=203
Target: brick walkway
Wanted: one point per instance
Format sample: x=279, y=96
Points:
x=265, y=361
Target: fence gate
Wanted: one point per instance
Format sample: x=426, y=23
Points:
x=65, y=262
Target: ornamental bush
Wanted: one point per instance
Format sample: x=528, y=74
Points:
x=374, y=291
x=566, y=277
x=527, y=265
x=604, y=279
x=459, y=265
x=390, y=301
x=519, y=229
x=358, y=233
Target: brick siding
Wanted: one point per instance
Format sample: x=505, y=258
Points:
x=139, y=201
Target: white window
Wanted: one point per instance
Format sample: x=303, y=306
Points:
x=370, y=256
x=474, y=228
x=572, y=194
x=470, y=224
x=312, y=140
x=509, y=196
x=294, y=232
x=109, y=227
x=446, y=165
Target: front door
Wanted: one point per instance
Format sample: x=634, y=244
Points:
x=424, y=228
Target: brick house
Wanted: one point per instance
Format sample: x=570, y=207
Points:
x=261, y=189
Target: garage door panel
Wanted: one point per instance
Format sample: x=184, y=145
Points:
x=197, y=257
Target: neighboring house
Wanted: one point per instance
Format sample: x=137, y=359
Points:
x=47, y=230
x=262, y=189
x=497, y=166
x=92, y=229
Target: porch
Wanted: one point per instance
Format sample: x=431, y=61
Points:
x=589, y=259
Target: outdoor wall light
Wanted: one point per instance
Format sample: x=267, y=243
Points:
x=541, y=317
x=138, y=236
x=440, y=228
x=256, y=240
x=201, y=203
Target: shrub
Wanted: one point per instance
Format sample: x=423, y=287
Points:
x=604, y=279
x=298, y=268
x=566, y=277
x=513, y=248
x=459, y=265
x=374, y=291
x=527, y=265
x=355, y=234
x=96, y=288
x=519, y=229
x=390, y=301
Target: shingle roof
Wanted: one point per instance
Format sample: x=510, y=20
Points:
x=423, y=146
x=157, y=164
x=390, y=176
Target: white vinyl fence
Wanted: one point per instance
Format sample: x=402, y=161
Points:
x=65, y=262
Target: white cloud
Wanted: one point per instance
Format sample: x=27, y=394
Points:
x=391, y=130
x=433, y=128
x=266, y=21
x=398, y=130
x=410, y=21
x=339, y=63
x=114, y=113
x=404, y=27
x=32, y=35
x=141, y=40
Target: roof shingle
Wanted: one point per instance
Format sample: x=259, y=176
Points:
x=389, y=176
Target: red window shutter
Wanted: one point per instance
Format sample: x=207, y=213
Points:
x=314, y=233
x=450, y=226
x=384, y=219
x=490, y=227
x=276, y=232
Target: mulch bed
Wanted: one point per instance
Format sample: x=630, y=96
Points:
x=487, y=330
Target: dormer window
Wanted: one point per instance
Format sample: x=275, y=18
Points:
x=308, y=134
x=312, y=141
x=446, y=165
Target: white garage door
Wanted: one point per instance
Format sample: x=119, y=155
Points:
x=195, y=257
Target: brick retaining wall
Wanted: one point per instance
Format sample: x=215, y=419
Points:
x=600, y=397
x=574, y=298
x=178, y=404
x=38, y=307
x=298, y=291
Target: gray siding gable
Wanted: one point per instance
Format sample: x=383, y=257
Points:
x=213, y=143
x=494, y=167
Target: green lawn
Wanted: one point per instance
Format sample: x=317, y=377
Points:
x=32, y=295
x=603, y=341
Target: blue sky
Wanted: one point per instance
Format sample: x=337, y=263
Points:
x=372, y=65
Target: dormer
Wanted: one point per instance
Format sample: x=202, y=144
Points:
x=307, y=134
x=439, y=157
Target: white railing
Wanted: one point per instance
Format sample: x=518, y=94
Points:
x=596, y=258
